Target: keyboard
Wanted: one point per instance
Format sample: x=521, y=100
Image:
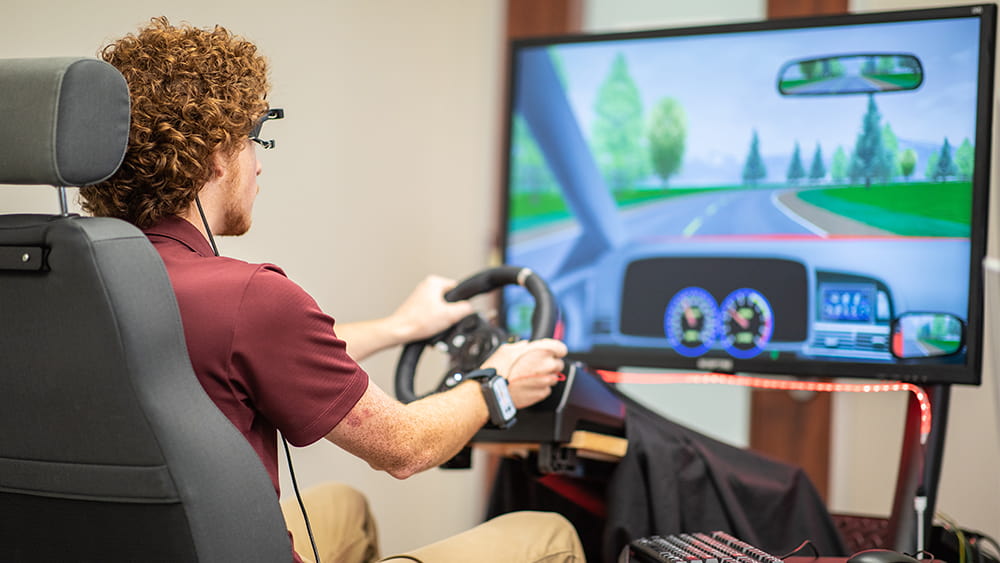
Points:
x=712, y=547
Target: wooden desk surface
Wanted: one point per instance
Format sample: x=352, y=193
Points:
x=590, y=445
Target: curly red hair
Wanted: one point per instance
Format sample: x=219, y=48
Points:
x=194, y=92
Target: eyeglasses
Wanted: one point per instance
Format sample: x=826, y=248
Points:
x=273, y=113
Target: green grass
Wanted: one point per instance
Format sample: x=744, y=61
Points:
x=904, y=81
x=792, y=84
x=940, y=346
x=913, y=209
x=534, y=210
x=625, y=198
x=899, y=79
x=908, y=209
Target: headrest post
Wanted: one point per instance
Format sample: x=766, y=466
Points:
x=63, y=206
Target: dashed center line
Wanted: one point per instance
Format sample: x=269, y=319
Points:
x=692, y=227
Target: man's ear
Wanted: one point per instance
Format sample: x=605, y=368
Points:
x=219, y=164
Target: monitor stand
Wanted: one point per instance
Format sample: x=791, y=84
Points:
x=919, y=469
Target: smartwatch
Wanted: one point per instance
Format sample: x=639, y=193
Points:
x=501, y=406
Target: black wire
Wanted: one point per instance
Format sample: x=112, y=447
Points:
x=288, y=454
x=302, y=506
x=803, y=545
x=208, y=230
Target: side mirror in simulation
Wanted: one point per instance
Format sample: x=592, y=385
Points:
x=927, y=335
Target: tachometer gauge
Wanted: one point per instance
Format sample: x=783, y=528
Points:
x=747, y=323
x=691, y=321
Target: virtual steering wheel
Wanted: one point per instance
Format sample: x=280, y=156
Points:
x=471, y=340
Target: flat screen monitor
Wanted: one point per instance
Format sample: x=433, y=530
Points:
x=768, y=197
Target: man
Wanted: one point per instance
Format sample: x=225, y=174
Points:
x=259, y=344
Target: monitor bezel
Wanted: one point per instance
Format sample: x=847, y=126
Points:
x=969, y=372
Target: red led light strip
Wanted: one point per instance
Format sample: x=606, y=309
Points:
x=781, y=384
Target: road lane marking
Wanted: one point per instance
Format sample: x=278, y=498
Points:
x=692, y=227
x=808, y=225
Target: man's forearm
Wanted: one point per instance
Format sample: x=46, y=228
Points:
x=423, y=314
x=407, y=439
x=365, y=338
x=449, y=420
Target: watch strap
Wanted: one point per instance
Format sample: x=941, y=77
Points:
x=498, y=401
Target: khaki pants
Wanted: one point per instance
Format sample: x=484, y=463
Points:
x=345, y=532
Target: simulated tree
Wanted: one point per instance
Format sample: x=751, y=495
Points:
x=795, y=169
x=891, y=144
x=839, y=165
x=754, y=170
x=965, y=159
x=817, y=170
x=666, y=136
x=870, y=160
x=945, y=166
x=529, y=170
x=907, y=163
x=930, y=171
x=811, y=70
x=618, y=128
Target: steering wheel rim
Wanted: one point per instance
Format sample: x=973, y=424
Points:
x=543, y=318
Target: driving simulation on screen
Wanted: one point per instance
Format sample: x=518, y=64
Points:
x=763, y=196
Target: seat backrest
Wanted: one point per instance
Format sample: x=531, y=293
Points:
x=110, y=450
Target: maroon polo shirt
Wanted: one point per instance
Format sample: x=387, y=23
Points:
x=260, y=345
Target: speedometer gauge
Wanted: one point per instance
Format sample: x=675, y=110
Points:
x=747, y=323
x=691, y=321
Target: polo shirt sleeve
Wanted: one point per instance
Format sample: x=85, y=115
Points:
x=296, y=371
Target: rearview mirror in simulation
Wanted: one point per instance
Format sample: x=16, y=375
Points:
x=850, y=74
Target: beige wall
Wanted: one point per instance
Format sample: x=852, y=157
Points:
x=386, y=169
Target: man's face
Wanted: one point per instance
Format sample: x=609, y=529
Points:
x=241, y=191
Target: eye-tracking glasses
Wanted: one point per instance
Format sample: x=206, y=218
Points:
x=273, y=113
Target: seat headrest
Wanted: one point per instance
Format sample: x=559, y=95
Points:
x=63, y=121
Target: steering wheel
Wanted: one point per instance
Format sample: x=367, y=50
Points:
x=471, y=340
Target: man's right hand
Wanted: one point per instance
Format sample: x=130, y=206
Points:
x=531, y=368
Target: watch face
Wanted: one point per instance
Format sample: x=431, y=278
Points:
x=504, y=401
